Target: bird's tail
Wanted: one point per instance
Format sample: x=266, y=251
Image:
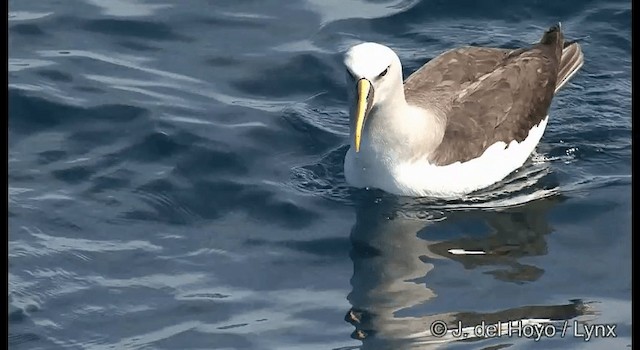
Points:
x=570, y=62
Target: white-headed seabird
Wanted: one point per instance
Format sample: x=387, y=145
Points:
x=463, y=121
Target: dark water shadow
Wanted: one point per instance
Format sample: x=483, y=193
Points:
x=396, y=249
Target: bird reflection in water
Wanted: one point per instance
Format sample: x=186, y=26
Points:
x=397, y=244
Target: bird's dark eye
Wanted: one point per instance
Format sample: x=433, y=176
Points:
x=384, y=72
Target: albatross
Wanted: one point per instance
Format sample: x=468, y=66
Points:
x=462, y=122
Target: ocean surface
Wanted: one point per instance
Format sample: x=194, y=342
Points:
x=175, y=182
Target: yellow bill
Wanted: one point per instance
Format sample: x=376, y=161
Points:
x=362, y=109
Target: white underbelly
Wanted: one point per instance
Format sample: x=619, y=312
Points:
x=421, y=179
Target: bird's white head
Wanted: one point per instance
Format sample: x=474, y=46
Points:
x=376, y=73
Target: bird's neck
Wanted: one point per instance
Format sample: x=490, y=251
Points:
x=408, y=129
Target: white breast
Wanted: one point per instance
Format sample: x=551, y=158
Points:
x=421, y=178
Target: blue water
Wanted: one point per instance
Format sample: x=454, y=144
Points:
x=175, y=182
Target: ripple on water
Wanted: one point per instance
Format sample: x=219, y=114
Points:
x=112, y=181
x=19, y=64
x=55, y=75
x=17, y=16
x=298, y=130
x=140, y=29
x=42, y=244
x=25, y=29
x=153, y=147
x=160, y=203
x=29, y=114
x=294, y=72
x=324, y=178
x=211, y=160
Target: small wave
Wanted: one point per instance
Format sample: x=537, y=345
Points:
x=324, y=178
x=27, y=15
x=121, y=8
x=47, y=244
x=19, y=64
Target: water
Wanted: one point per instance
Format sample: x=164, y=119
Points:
x=175, y=182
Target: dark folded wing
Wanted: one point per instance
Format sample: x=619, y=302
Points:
x=503, y=105
x=439, y=80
